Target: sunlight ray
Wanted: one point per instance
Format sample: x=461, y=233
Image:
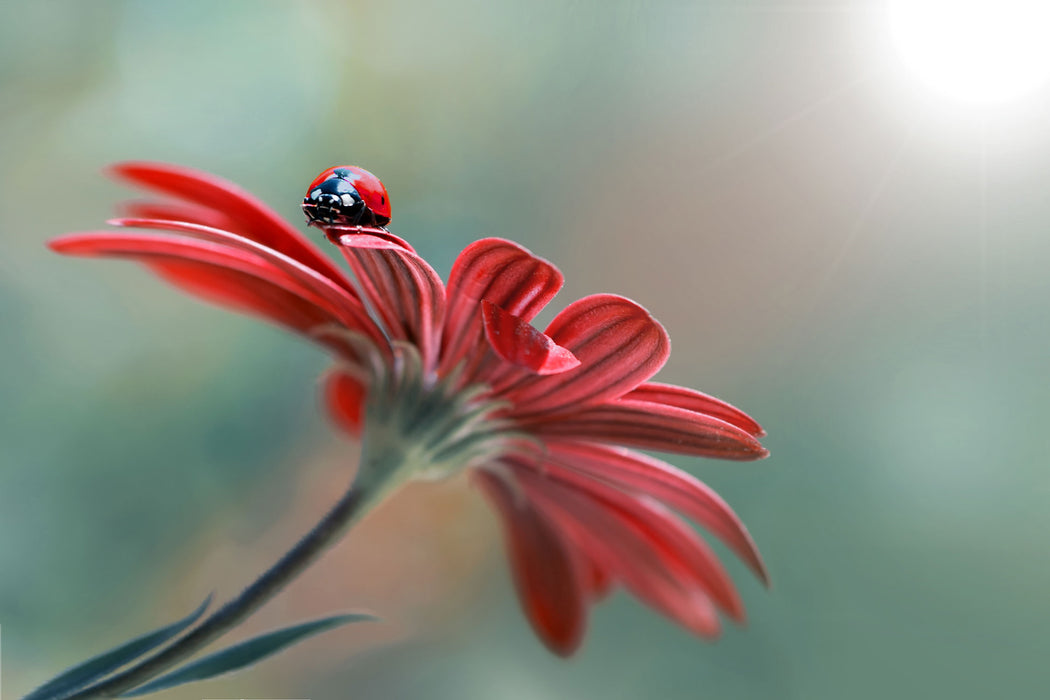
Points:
x=788, y=121
x=892, y=165
x=874, y=196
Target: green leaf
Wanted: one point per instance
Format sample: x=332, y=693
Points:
x=246, y=653
x=94, y=668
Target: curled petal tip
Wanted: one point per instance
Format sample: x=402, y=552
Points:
x=358, y=240
x=559, y=360
x=619, y=346
x=519, y=343
x=364, y=237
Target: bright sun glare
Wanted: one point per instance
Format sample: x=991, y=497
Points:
x=979, y=52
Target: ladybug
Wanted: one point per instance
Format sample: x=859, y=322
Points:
x=347, y=195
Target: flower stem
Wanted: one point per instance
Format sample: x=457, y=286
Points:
x=357, y=500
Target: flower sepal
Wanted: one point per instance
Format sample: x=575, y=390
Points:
x=421, y=426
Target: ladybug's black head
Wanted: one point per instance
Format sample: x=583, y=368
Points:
x=336, y=202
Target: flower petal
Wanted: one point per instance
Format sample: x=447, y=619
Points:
x=686, y=556
x=597, y=581
x=344, y=395
x=619, y=346
x=231, y=278
x=544, y=570
x=693, y=400
x=175, y=211
x=365, y=237
x=625, y=545
x=671, y=486
x=503, y=273
x=518, y=342
x=405, y=292
x=652, y=426
x=247, y=215
x=340, y=302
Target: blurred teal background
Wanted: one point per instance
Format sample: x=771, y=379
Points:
x=859, y=267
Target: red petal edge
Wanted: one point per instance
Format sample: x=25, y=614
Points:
x=692, y=400
x=219, y=274
x=652, y=426
x=519, y=343
x=544, y=571
x=339, y=301
x=671, y=486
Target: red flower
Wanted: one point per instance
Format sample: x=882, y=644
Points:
x=453, y=376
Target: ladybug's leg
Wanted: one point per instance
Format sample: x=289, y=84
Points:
x=363, y=218
x=368, y=219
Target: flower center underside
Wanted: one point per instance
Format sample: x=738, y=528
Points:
x=424, y=426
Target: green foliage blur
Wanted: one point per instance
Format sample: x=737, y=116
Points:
x=863, y=273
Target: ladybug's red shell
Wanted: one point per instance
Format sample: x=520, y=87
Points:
x=371, y=189
x=347, y=196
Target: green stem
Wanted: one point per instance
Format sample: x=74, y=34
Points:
x=349, y=509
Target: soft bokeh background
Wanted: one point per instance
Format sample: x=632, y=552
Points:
x=859, y=266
